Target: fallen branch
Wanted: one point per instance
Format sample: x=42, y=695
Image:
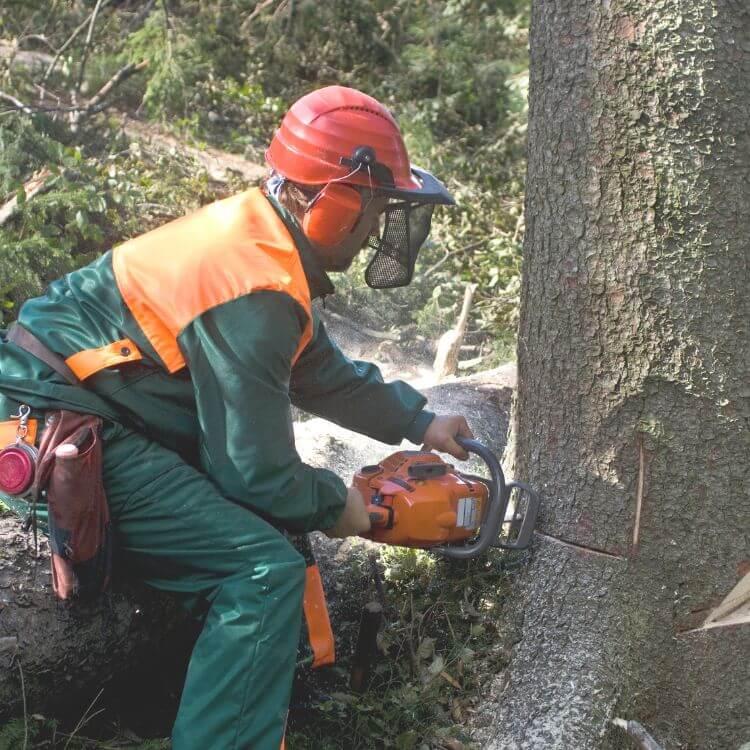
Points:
x=17, y=103
x=70, y=40
x=86, y=47
x=469, y=363
x=466, y=249
x=259, y=8
x=94, y=105
x=37, y=184
x=28, y=109
x=96, y=102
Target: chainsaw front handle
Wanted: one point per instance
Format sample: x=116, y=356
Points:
x=498, y=502
x=494, y=518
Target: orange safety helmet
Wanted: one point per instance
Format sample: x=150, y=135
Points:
x=345, y=140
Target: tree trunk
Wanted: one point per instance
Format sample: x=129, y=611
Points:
x=633, y=403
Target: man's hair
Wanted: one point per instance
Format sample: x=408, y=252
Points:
x=294, y=199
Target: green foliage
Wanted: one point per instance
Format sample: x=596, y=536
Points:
x=38, y=732
x=175, y=64
x=453, y=72
x=14, y=735
x=440, y=642
x=95, y=197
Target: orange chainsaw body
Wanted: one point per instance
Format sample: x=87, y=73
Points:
x=415, y=499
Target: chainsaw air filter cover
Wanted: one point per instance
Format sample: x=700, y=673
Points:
x=415, y=499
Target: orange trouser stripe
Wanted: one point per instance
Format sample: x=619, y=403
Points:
x=318, y=623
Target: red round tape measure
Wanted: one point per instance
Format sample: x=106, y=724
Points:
x=17, y=467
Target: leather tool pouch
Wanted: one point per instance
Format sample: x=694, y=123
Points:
x=80, y=534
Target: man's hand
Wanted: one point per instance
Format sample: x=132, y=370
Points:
x=354, y=520
x=441, y=435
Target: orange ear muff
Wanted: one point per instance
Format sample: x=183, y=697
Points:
x=333, y=215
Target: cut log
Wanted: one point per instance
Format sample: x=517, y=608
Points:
x=68, y=651
x=31, y=60
x=219, y=165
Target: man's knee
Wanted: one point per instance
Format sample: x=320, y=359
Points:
x=289, y=567
x=279, y=568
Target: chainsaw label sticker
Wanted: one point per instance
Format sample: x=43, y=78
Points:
x=468, y=513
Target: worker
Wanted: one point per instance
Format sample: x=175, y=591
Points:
x=192, y=342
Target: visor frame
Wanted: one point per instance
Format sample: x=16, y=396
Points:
x=431, y=190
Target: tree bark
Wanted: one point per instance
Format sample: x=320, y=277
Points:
x=633, y=405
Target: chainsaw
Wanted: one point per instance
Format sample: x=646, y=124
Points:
x=415, y=499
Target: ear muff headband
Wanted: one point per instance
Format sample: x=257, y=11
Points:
x=332, y=215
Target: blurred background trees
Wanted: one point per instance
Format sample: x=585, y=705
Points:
x=221, y=74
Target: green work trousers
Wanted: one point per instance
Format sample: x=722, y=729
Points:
x=176, y=531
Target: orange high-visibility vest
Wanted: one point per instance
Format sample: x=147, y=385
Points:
x=170, y=276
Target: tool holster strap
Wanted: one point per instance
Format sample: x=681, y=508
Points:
x=19, y=336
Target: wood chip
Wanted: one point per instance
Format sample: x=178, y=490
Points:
x=450, y=680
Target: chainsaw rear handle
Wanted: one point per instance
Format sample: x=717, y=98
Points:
x=499, y=496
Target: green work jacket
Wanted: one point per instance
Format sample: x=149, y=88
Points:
x=228, y=411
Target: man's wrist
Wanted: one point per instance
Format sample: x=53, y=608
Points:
x=418, y=426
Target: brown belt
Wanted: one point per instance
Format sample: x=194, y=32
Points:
x=27, y=341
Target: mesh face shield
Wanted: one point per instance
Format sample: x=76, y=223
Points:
x=404, y=227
